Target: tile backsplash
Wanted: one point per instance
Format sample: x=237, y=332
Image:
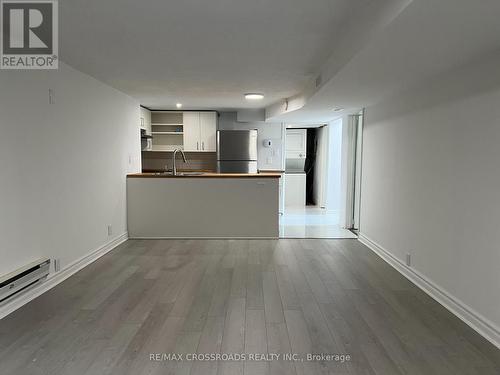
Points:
x=161, y=161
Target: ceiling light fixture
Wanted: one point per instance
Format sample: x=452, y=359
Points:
x=254, y=96
x=178, y=105
x=337, y=109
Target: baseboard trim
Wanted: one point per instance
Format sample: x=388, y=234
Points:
x=56, y=278
x=476, y=321
x=204, y=238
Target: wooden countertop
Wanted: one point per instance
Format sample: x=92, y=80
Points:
x=207, y=175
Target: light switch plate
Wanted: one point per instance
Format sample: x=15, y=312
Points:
x=52, y=96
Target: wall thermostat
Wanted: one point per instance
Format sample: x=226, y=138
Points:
x=268, y=143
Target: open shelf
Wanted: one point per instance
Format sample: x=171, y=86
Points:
x=167, y=129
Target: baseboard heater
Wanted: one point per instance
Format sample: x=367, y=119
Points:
x=21, y=279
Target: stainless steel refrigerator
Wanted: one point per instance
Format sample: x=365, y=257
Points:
x=237, y=151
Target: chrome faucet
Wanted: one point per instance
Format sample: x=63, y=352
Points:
x=174, y=168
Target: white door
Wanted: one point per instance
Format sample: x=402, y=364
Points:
x=296, y=143
x=191, y=129
x=208, y=130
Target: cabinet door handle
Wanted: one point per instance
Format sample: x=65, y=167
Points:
x=197, y=145
x=203, y=146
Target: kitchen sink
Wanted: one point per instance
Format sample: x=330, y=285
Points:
x=190, y=173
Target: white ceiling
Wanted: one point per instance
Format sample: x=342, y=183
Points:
x=207, y=54
x=204, y=54
x=425, y=40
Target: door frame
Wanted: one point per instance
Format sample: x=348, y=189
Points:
x=354, y=170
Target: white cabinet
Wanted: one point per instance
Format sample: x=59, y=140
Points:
x=191, y=126
x=189, y=131
x=296, y=141
x=282, y=194
x=145, y=120
x=295, y=190
x=200, y=131
x=145, y=125
x=208, y=130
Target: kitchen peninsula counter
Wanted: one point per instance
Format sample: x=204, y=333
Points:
x=204, y=205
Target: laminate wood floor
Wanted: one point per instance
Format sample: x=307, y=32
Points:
x=236, y=296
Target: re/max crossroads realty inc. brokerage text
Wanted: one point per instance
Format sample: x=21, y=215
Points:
x=253, y=357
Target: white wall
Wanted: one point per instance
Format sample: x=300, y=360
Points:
x=63, y=165
x=268, y=158
x=334, y=192
x=431, y=184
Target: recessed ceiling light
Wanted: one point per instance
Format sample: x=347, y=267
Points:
x=178, y=105
x=254, y=96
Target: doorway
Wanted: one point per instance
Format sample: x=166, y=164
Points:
x=312, y=182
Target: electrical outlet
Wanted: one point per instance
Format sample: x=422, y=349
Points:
x=408, y=259
x=57, y=265
x=110, y=230
x=269, y=160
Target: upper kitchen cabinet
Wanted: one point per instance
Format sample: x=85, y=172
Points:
x=192, y=131
x=200, y=131
x=296, y=141
x=188, y=131
x=145, y=120
x=208, y=130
